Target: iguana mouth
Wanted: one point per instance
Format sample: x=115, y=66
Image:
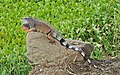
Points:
x=24, y=28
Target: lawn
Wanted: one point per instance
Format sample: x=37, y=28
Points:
x=94, y=21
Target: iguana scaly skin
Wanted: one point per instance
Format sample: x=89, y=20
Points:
x=30, y=24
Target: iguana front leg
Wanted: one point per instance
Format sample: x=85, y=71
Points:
x=31, y=29
x=52, y=40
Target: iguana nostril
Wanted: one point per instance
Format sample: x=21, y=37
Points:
x=25, y=17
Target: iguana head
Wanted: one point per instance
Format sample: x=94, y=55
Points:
x=27, y=23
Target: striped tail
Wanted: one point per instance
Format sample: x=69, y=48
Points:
x=62, y=42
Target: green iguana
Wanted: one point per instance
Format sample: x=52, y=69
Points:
x=30, y=24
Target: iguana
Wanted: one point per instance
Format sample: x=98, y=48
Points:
x=31, y=24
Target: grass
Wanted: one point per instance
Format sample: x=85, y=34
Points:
x=95, y=21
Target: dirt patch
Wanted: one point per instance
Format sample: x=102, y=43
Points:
x=53, y=59
x=110, y=67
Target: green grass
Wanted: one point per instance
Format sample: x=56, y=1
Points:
x=95, y=21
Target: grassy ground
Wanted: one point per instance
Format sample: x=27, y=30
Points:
x=95, y=21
